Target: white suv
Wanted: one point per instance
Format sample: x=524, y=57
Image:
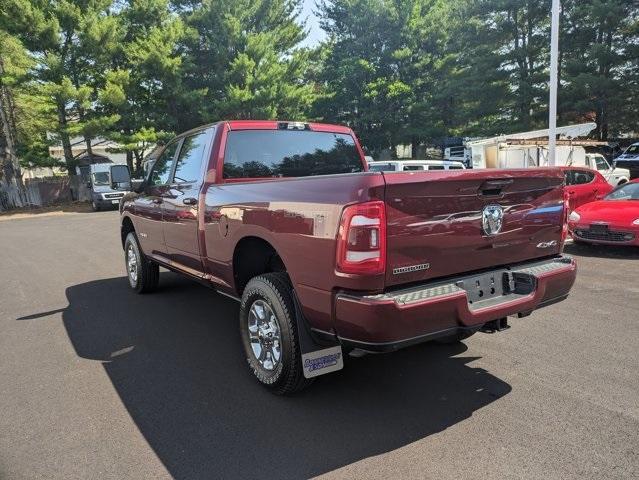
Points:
x=616, y=176
x=413, y=165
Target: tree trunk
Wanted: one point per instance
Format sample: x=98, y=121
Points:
x=64, y=137
x=129, y=162
x=9, y=163
x=138, y=162
x=414, y=142
x=87, y=142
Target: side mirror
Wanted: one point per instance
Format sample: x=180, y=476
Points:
x=138, y=185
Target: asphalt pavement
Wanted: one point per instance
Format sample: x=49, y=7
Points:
x=98, y=382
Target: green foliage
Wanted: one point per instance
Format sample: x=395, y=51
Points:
x=397, y=71
x=245, y=59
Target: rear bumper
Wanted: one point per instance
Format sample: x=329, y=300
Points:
x=397, y=319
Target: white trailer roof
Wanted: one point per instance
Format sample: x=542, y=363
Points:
x=569, y=131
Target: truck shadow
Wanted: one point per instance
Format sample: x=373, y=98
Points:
x=175, y=360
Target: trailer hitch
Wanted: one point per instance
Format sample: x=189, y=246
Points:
x=495, y=325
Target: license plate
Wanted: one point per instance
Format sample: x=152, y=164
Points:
x=598, y=228
x=115, y=201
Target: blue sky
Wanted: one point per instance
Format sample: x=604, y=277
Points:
x=316, y=34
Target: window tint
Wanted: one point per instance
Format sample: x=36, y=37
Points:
x=120, y=174
x=435, y=167
x=408, y=168
x=101, y=178
x=569, y=177
x=601, y=163
x=580, y=177
x=629, y=191
x=289, y=153
x=188, y=166
x=162, y=167
x=386, y=167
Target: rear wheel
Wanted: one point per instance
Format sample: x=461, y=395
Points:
x=143, y=274
x=269, y=333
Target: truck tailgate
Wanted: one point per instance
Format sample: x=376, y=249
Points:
x=434, y=220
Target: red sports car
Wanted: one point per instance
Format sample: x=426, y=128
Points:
x=584, y=185
x=611, y=221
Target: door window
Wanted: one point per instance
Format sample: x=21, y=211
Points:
x=601, y=163
x=436, y=167
x=188, y=167
x=581, y=177
x=408, y=168
x=386, y=167
x=162, y=167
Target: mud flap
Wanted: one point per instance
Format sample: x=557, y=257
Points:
x=316, y=359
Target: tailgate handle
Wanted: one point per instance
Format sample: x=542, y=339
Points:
x=494, y=187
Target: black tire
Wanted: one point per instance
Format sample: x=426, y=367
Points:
x=456, y=337
x=95, y=206
x=147, y=274
x=274, y=289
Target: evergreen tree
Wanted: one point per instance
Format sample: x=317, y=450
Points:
x=600, y=65
x=70, y=39
x=245, y=60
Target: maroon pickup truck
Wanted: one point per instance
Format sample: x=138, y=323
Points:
x=326, y=257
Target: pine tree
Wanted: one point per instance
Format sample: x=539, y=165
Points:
x=245, y=59
x=600, y=65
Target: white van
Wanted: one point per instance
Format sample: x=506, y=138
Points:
x=107, y=183
x=614, y=176
x=413, y=165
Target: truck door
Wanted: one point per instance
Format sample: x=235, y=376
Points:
x=181, y=203
x=148, y=205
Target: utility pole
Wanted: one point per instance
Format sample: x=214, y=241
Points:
x=552, y=104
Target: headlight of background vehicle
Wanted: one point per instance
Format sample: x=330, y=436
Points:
x=574, y=217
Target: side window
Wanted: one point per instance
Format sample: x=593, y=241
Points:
x=582, y=178
x=601, y=163
x=413, y=167
x=188, y=166
x=455, y=167
x=162, y=166
x=570, y=178
x=436, y=167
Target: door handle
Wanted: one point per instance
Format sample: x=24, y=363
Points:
x=189, y=201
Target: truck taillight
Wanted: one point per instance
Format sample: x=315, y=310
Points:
x=361, y=240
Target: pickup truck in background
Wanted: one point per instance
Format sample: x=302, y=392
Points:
x=326, y=257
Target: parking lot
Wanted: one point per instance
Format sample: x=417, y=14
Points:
x=97, y=382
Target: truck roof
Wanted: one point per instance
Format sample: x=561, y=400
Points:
x=273, y=125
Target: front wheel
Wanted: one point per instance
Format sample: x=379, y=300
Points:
x=95, y=206
x=269, y=333
x=143, y=274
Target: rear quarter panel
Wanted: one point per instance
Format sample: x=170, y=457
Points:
x=299, y=217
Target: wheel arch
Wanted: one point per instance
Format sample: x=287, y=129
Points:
x=126, y=227
x=254, y=256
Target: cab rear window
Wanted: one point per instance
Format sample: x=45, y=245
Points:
x=289, y=153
